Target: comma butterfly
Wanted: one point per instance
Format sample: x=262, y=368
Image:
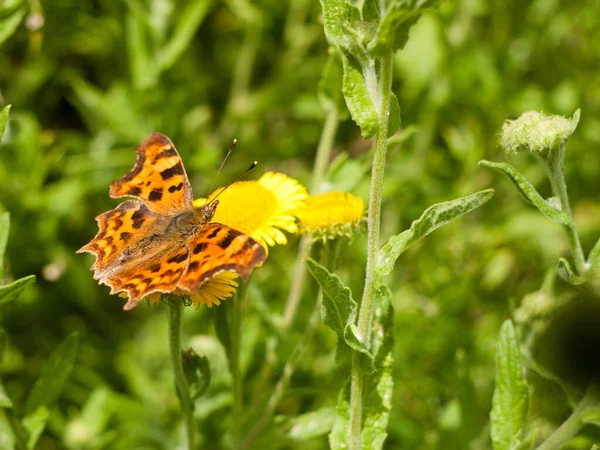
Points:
x=160, y=242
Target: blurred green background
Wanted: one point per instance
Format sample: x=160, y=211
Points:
x=89, y=80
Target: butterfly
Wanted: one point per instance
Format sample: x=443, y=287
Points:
x=158, y=242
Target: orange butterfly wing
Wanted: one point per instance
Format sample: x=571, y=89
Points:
x=158, y=178
x=218, y=248
x=121, y=230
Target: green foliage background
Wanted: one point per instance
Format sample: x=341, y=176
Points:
x=99, y=76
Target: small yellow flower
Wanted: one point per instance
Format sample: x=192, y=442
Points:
x=262, y=208
x=332, y=214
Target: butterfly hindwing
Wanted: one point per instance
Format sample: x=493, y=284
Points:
x=219, y=248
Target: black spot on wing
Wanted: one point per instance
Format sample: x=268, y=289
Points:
x=155, y=195
x=193, y=266
x=177, y=169
x=167, y=153
x=214, y=233
x=200, y=247
x=227, y=240
x=178, y=258
x=134, y=191
x=174, y=188
x=125, y=236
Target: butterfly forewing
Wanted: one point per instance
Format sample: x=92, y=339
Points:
x=158, y=178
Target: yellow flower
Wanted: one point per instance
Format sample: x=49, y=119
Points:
x=262, y=208
x=332, y=214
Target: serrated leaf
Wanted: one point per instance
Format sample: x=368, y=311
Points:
x=564, y=270
x=395, y=119
x=433, y=218
x=34, y=424
x=311, y=425
x=357, y=96
x=511, y=396
x=4, y=231
x=338, y=308
x=529, y=192
x=11, y=291
x=189, y=20
x=4, y=120
x=55, y=373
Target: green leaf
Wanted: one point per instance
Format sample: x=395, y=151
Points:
x=34, y=424
x=593, y=259
x=4, y=120
x=338, y=308
x=310, y=425
x=377, y=403
x=394, y=120
x=7, y=436
x=336, y=19
x=3, y=343
x=89, y=428
x=55, y=373
x=189, y=20
x=511, y=396
x=330, y=83
x=357, y=96
x=11, y=291
x=4, y=231
x=433, y=218
x=10, y=23
x=530, y=193
x=564, y=270
x=5, y=401
x=144, y=70
x=396, y=22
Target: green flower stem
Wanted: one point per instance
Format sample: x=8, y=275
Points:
x=575, y=422
x=321, y=159
x=237, y=314
x=554, y=168
x=187, y=406
x=365, y=317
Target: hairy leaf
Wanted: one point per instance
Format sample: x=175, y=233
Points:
x=356, y=89
x=338, y=309
x=529, y=192
x=433, y=218
x=511, y=396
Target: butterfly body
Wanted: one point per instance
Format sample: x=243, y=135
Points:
x=159, y=242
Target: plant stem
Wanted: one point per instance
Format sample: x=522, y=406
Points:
x=365, y=316
x=574, y=423
x=321, y=159
x=187, y=406
x=236, y=373
x=554, y=167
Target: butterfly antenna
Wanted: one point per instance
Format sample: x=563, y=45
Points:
x=252, y=166
x=233, y=144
